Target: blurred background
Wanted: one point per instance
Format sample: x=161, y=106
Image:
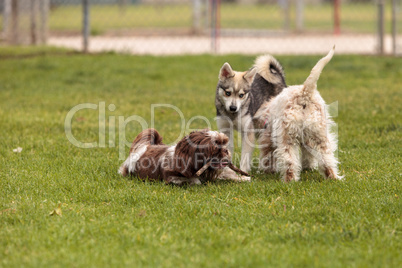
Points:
x=165, y=27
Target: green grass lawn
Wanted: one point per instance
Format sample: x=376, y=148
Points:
x=355, y=18
x=112, y=221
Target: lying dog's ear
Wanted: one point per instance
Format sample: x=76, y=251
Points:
x=184, y=155
x=249, y=76
x=221, y=139
x=226, y=72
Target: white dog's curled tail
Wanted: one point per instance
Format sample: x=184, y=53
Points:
x=311, y=82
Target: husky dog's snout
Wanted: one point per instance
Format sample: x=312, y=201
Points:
x=233, y=108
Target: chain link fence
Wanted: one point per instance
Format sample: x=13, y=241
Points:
x=162, y=27
x=397, y=27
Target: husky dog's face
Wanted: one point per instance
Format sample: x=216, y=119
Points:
x=233, y=87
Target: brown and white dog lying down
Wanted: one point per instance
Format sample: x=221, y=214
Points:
x=203, y=151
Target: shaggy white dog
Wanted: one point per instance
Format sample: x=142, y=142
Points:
x=296, y=130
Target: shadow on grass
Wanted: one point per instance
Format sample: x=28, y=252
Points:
x=38, y=54
x=217, y=182
x=305, y=176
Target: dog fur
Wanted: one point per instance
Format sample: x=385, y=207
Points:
x=297, y=130
x=151, y=159
x=239, y=95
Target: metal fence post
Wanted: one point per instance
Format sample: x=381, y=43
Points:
x=197, y=16
x=122, y=6
x=394, y=30
x=6, y=18
x=337, y=18
x=86, y=25
x=285, y=4
x=299, y=15
x=43, y=27
x=380, y=26
x=14, y=22
x=33, y=17
x=215, y=25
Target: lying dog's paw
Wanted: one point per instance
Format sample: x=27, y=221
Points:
x=229, y=174
x=245, y=178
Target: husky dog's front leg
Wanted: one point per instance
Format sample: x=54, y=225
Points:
x=247, y=148
x=225, y=125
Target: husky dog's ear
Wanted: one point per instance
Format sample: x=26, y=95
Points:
x=226, y=72
x=249, y=76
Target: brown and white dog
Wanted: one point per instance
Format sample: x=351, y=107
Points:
x=151, y=159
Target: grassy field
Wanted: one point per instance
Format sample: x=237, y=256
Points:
x=109, y=221
x=355, y=18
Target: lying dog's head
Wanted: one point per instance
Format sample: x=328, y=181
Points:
x=200, y=147
x=233, y=87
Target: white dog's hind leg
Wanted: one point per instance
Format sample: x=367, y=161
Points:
x=308, y=159
x=267, y=160
x=289, y=164
x=287, y=152
x=322, y=149
x=268, y=163
x=328, y=165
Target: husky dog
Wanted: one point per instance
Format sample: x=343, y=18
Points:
x=297, y=130
x=238, y=97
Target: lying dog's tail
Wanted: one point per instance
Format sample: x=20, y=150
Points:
x=311, y=82
x=147, y=137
